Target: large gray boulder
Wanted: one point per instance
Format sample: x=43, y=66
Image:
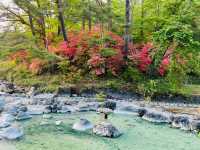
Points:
x=132, y=110
x=4, y=124
x=6, y=117
x=157, y=116
x=110, y=104
x=23, y=116
x=11, y=133
x=6, y=120
x=14, y=109
x=64, y=110
x=106, y=129
x=195, y=125
x=82, y=125
x=182, y=122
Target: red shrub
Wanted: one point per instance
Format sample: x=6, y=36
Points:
x=84, y=48
x=141, y=56
x=164, y=66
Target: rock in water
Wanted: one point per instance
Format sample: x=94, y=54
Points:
x=82, y=125
x=157, y=116
x=4, y=124
x=59, y=122
x=195, y=125
x=182, y=122
x=11, y=133
x=110, y=104
x=47, y=116
x=23, y=116
x=2, y=104
x=106, y=129
x=64, y=110
x=7, y=118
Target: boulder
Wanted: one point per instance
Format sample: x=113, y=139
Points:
x=82, y=125
x=23, y=116
x=12, y=133
x=6, y=87
x=106, y=129
x=82, y=108
x=182, y=122
x=64, y=110
x=135, y=110
x=195, y=125
x=14, y=109
x=110, y=104
x=36, y=110
x=7, y=118
x=157, y=116
x=2, y=104
x=4, y=124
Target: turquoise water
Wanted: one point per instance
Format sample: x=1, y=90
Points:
x=138, y=135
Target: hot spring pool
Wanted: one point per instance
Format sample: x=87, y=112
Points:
x=137, y=135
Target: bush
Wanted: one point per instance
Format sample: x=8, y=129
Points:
x=64, y=66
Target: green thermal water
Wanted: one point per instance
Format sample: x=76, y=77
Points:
x=137, y=135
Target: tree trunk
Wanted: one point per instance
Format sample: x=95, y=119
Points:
x=43, y=27
x=127, y=27
x=31, y=23
x=59, y=30
x=61, y=19
x=83, y=22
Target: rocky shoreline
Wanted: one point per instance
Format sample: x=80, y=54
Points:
x=21, y=104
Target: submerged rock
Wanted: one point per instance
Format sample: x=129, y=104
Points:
x=23, y=116
x=11, y=133
x=59, y=122
x=47, y=116
x=82, y=125
x=106, y=129
x=157, y=116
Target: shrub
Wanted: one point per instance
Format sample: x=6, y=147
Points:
x=108, y=52
x=36, y=66
x=64, y=66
